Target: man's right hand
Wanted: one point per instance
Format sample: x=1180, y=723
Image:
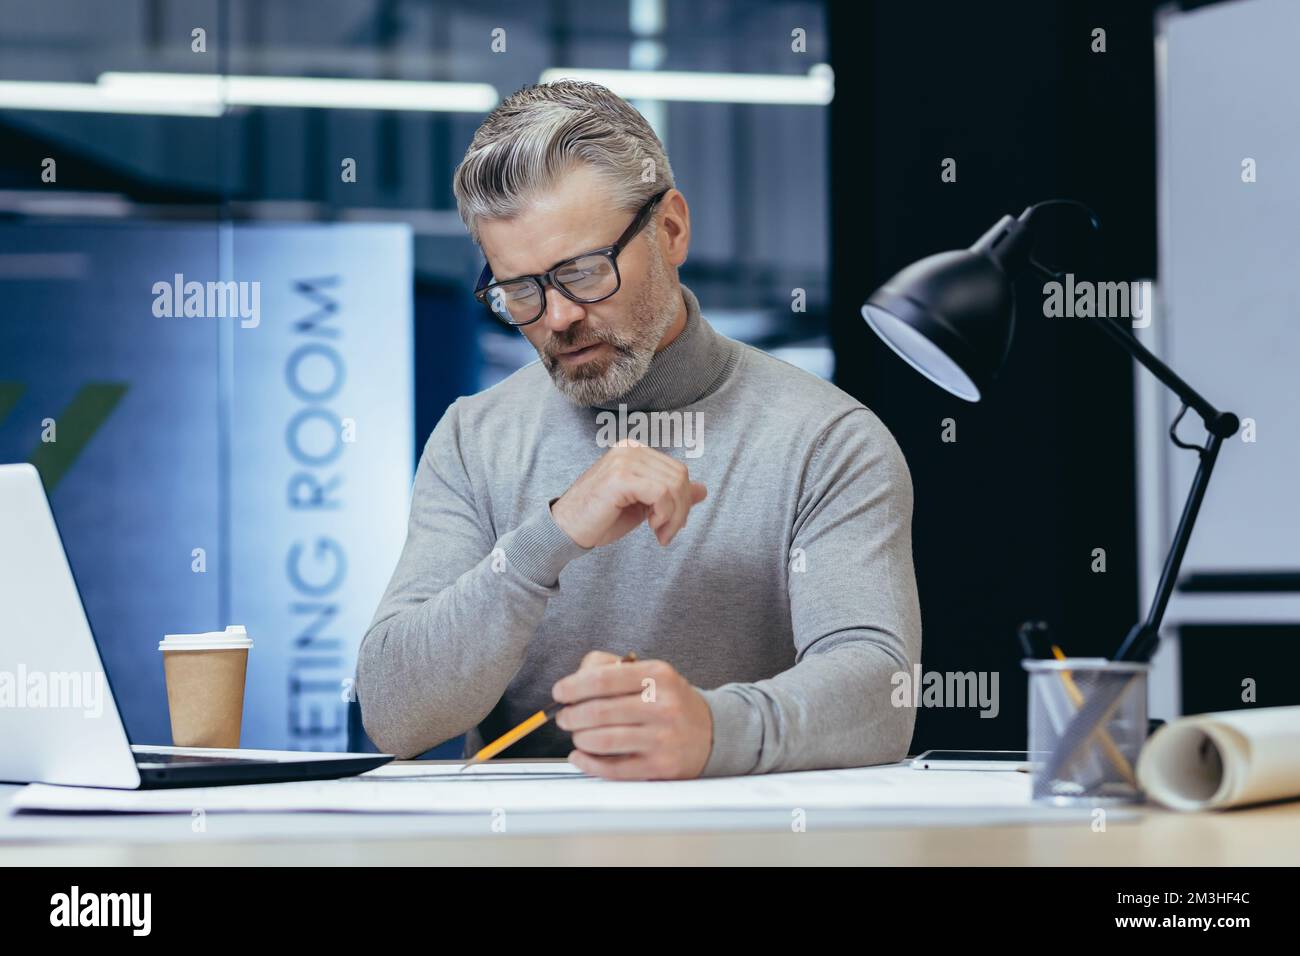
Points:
x=629, y=484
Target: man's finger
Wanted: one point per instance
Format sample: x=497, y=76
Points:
x=666, y=524
x=590, y=682
x=684, y=504
x=597, y=658
x=646, y=491
x=623, y=767
x=606, y=712
x=669, y=511
x=685, y=495
x=610, y=741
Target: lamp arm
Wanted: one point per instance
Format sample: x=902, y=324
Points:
x=1222, y=424
x=1141, y=641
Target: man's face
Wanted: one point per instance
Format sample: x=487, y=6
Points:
x=593, y=352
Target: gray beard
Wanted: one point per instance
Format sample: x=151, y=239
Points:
x=595, y=383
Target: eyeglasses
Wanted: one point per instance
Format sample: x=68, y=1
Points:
x=587, y=278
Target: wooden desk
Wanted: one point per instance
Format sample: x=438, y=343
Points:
x=1268, y=835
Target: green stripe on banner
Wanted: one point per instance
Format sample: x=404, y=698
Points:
x=74, y=429
x=10, y=392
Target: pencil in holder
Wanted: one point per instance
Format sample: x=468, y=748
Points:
x=1087, y=724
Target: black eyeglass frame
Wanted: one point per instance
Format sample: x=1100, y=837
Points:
x=547, y=278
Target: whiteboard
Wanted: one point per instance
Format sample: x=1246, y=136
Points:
x=1228, y=82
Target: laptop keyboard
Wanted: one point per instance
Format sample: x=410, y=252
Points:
x=154, y=756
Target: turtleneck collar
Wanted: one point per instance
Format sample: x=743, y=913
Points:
x=693, y=365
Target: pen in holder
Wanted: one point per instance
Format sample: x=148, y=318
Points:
x=1087, y=724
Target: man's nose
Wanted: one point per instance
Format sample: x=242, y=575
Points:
x=561, y=312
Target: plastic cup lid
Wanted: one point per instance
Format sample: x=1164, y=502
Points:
x=234, y=637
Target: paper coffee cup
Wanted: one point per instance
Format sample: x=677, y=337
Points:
x=205, y=686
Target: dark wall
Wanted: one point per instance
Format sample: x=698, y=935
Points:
x=1042, y=472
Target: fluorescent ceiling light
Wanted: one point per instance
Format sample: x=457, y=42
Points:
x=817, y=88
x=91, y=98
x=208, y=94
x=306, y=91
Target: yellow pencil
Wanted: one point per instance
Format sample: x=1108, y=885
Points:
x=527, y=727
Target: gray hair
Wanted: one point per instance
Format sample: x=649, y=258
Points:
x=541, y=132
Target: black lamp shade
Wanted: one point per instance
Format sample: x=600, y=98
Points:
x=950, y=316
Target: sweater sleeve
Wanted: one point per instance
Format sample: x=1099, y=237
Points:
x=855, y=616
x=455, y=621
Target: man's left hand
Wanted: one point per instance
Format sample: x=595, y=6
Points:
x=635, y=720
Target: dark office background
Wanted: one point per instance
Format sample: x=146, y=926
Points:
x=1042, y=471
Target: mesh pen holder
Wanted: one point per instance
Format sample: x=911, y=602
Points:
x=1087, y=723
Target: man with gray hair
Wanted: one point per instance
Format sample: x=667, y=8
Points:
x=768, y=631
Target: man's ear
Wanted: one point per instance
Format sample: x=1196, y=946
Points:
x=674, y=227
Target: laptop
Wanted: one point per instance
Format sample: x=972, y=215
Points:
x=59, y=721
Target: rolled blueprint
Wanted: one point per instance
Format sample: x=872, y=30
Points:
x=1226, y=759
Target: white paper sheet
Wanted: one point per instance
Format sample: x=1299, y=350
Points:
x=503, y=770
x=530, y=788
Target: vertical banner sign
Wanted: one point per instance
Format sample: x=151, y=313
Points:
x=223, y=419
x=320, y=464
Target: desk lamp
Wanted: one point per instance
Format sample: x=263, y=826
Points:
x=951, y=316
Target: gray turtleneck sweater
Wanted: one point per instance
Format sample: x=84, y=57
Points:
x=788, y=600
